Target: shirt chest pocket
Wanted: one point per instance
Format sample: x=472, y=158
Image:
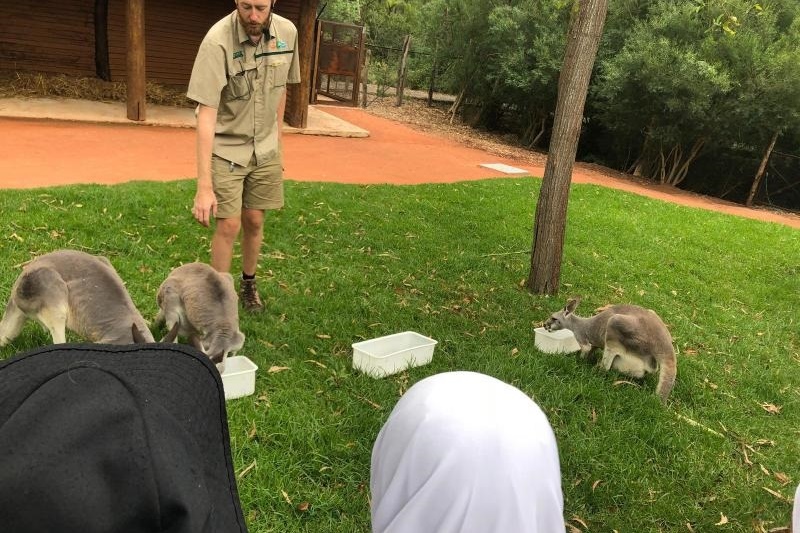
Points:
x=278, y=69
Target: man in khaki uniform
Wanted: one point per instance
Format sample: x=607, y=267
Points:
x=239, y=81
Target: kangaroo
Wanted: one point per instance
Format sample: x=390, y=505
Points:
x=635, y=341
x=70, y=289
x=198, y=303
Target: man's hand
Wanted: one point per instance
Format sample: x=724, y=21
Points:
x=205, y=206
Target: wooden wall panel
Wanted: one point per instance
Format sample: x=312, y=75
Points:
x=33, y=39
x=64, y=44
x=173, y=31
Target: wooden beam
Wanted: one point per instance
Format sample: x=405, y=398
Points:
x=136, y=75
x=101, y=61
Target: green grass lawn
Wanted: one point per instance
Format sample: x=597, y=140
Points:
x=343, y=263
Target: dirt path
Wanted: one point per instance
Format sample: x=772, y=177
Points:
x=36, y=153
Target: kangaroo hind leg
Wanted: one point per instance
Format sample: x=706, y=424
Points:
x=11, y=325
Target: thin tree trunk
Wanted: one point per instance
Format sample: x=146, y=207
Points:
x=432, y=85
x=454, y=108
x=550, y=221
x=679, y=174
x=365, y=78
x=401, y=71
x=761, y=169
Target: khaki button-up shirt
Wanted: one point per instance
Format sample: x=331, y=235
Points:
x=245, y=83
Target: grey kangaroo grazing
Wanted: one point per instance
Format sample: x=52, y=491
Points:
x=198, y=303
x=635, y=341
x=69, y=289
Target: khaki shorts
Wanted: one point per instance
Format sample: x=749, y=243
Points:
x=252, y=187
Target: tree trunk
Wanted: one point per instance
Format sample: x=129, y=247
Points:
x=550, y=221
x=401, y=71
x=365, y=78
x=761, y=169
x=454, y=108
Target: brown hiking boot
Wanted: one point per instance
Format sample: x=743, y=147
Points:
x=248, y=294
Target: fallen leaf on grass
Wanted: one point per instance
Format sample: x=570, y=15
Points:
x=514, y=352
x=303, y=507
x=276, y=369
x=323, y=336
x=370, y=402
x=777, y=495
x=624, y=382
x=576, y=518
x=247, y=469
x=595, y=484
x=747, y=460
x=286, y=497
x=722, y=520
x=782, y=478
x=771, y=408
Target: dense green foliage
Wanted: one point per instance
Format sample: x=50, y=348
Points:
x=686, y=92
x=344, y=263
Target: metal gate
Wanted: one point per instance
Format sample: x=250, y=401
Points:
x=337, y=64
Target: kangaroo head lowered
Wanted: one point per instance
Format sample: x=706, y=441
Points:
x=69, y=289
x=635, y=341
x=200, y=304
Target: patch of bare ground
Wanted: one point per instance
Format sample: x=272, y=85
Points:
x=436, y=119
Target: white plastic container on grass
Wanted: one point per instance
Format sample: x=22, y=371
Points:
x=559, y=341
x=391, y=354
x=239, y=378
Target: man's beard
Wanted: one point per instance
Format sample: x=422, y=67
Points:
x=253, y=30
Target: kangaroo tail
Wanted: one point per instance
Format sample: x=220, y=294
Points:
x=666, y=377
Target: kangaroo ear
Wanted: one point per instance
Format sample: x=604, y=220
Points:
x=172, y=334
x=138, y=337
x=571, y=305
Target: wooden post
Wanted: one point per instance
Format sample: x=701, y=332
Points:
x=365, y=77
x=299, y=95
x=401, y=71
x=102, y=65
x=136, y=76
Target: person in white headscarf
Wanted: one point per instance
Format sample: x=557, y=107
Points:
x=796, y=513
x=463, y=452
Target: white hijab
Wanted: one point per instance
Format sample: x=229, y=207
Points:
x=796, y=513
x=466, y=453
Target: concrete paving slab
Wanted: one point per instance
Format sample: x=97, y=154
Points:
x=69, y=109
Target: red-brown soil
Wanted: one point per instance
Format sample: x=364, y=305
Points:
x=36, y=153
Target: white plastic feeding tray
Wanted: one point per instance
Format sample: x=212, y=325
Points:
x=560, y=341
x=388, y=355
x=239, y=378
